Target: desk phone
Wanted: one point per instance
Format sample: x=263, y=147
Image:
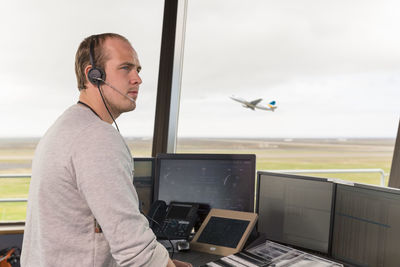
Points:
x=174, y=221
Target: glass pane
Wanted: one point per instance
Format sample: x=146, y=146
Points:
x=38, y=78
x=333, y=68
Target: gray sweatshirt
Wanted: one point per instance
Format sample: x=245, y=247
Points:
x=82, y=170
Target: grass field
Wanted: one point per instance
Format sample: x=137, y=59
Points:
x=272, y=154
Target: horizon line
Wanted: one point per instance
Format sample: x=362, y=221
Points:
x=234, y=137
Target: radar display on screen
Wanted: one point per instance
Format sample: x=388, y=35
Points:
x=367, y=225
x=295, y=210
x=221, y=181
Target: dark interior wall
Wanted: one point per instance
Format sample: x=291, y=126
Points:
x=11, y=240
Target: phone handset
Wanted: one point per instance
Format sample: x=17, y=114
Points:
x=157, y=213
x=176, y=220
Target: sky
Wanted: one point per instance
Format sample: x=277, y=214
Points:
x=333, y=67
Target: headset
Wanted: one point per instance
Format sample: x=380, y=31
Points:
x=97, y=76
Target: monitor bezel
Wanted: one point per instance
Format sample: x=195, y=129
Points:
x=302, y=177
x=362, y=186
x=153, y=167
x=193, y=156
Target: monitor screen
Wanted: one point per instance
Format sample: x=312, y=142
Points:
x=295, y=210
x=219, y=180
x=143, y=181
x=226, y=232
x=179, y=211
x=367, y=225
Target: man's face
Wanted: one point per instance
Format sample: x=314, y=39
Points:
x=122, y=72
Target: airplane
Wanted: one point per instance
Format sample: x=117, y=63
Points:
x=255, y=103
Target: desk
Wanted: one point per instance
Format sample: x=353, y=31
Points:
x=199, y=258
x=196, y=258
x=11, y=234
x=12, y=228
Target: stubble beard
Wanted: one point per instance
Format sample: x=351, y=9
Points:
x=120, y=108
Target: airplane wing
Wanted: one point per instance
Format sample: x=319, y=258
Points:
x=255, y=102
x=238, y=99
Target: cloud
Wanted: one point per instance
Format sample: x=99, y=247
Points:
x=333, y=67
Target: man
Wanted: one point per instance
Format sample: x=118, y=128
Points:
x=82, y=206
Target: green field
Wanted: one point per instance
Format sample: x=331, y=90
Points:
x=272, y=154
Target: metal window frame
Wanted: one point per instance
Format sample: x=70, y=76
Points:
x=170, y=77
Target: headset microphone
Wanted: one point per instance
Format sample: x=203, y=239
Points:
x=118, y=91
x=97, y=75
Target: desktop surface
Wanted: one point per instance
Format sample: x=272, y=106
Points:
x=196, y=258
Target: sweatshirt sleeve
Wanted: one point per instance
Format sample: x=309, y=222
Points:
x=103, y=168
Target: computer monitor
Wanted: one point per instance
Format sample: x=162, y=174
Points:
x=143, y=181
x=223, y=181
x=367, y=225
x=295, y=210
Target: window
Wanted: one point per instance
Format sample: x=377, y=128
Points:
x=38, y=81
x=332, y=68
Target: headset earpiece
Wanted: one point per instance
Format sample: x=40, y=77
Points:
x=96, y=75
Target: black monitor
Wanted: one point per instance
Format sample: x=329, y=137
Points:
x=143, y=181
x=223, y=181
x=367, y=225
x=295, y=210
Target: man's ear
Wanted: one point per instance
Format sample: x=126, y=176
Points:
x=87, y=69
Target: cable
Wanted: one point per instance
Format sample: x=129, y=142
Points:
x=162, y=231
x=11, y=255
x=102, y=97
x=159, y=226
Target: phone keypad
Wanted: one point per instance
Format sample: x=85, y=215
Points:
x=175, y=228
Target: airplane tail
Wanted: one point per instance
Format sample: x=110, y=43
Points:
x=272, y=105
